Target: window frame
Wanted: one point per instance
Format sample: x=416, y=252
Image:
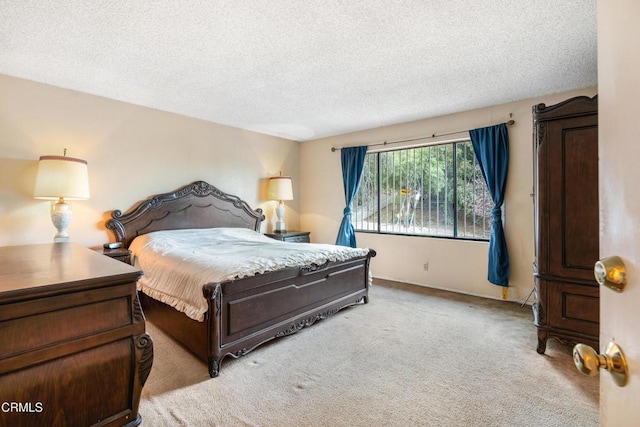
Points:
x=456, y=208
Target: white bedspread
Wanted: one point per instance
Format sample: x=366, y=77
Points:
x=176, y=263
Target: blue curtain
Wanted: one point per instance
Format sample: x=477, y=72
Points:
x=352, y=165
x=491, y=147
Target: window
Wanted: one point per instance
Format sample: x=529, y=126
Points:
x=435, y=190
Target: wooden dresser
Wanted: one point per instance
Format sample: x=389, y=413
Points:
x=566, y=221
x=73, y=348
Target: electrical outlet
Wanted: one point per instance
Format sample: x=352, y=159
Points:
x=425, y=266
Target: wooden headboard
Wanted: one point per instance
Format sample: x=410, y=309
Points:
x=197, y=205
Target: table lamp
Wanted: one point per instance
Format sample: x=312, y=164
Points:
x=59, y=178
x=280, y=189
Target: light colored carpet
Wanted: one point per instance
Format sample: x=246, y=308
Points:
x=408, y=358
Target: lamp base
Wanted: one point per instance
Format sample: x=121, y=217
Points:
x=280, y=227
x=61, y=218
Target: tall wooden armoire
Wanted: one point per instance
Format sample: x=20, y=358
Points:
x=566, y=221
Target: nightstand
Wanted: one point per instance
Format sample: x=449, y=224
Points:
x=291, y=236
x=121, y=254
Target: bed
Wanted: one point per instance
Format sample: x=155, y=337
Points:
x=239, y=313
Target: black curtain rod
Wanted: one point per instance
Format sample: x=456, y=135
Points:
x=510, y=122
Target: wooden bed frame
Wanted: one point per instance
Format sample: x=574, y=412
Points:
x=243, y=313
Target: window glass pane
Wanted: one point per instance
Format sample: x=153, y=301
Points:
x=435, y=190
x=474, y=202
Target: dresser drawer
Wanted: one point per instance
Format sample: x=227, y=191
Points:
x=66, y=388
x=297, y=239
x=63, y=318
x=291, y=236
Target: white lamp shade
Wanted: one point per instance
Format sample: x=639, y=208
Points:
x=280, y=188
x=61, y=176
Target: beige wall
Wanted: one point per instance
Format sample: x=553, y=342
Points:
x=132, y=152
x=455, y=265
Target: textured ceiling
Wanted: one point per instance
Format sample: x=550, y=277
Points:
x=303, y=69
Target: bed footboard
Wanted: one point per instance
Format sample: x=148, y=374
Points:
x=248, y=312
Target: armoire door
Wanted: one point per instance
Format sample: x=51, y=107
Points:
x=572, y=197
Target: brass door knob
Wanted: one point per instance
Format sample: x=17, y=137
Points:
x=611, y=272
x=588, y=361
